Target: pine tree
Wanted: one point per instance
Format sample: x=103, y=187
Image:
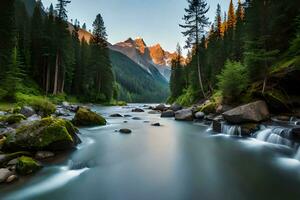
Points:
x=63, y=41
x=23, y=32
x=219, y=29
x=259, y=55
x=7, y=34
x=37, y=42
x=239, y=32
x=177, y=82
x=61, y=8
x=84, y=26
x=101, y=65
x=13, y=76
x=231, y=16
x=195, y=23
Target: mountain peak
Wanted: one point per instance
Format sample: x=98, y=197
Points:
x=129, y=40
x=141, y=45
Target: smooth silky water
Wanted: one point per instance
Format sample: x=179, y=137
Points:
x=179, y=160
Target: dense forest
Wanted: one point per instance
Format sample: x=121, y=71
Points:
x=243, y=55
x=41, y=54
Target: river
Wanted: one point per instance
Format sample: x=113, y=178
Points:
x=178, y=160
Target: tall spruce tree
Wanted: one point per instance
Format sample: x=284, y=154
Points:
x=177, y=82
x=7, y=34
x=63, y=40
x=101, y=65
x=259, y=55
x=195, y=23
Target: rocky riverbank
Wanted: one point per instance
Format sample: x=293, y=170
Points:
x=245, y=119
x=29, y=137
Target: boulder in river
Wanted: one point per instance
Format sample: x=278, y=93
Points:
x=168, y=113
x=125, y=131
x=156, y=124
x=184, y=115
x=160, y=107
x=137, y=118
x=199, y=115
x=4, y=174
x=47, y=134
x=11, y=178
x=116, y=115
x=27, y=111
x=27, y=165
x=252, y=112
x=86, y=117
x=175, y=107
x=217, y=124
x=137, y=110
x=154, y=112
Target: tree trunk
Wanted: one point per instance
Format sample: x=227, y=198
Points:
x=47, y=78
x=264, y=85
x=62, y=83
x=199, y=74
x=56, y=74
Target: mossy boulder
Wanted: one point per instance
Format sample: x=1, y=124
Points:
x=46, y=134
x=12, y=119
x=86, y=117
x=207, y=108
x=43, y=107
x=4, y=158
x=27, y=165
x=16, y=110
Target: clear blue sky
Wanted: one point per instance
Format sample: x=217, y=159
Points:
x=154, y=20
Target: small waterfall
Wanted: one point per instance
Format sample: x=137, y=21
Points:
x=275, y=135
x=231, y=130
x=297, y=155
x=294, y=121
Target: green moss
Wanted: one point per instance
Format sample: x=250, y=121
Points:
x=27, y=165
x=208, y=108
x=41, y=134
x=12, y=119
x=16, y=110
x=6, y=106
x=85, y=117
x=39, y=103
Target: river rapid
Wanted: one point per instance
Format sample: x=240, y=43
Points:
x=176, y=161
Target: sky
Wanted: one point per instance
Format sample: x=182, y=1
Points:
x=156, y=21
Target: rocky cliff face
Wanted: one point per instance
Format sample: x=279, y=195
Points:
x=147, y=57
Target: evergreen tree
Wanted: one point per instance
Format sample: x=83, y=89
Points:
x=84, y=26
x=239, y=33
x=195, y=23
x=13, y=76
x=23, y=32
x=101, y=65
x=63, y=45
x=37, y=42
x=177, y=82
x=231, y=16
x=7, y=34
x=259, y=55
x=219, y=29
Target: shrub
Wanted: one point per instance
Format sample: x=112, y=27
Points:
x=233, y=80
x=40, y=104
x=187, y=98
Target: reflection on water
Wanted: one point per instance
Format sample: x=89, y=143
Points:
x=178, y=160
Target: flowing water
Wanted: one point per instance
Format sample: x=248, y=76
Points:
x=179, y=160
